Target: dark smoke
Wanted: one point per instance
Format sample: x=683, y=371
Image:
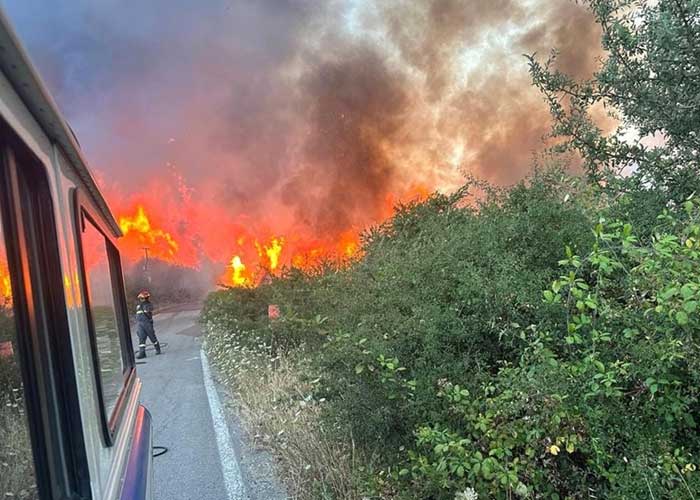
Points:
x=354, y=104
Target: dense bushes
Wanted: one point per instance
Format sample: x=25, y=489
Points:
x=436, y=291
x=435, y=297
x=604, y=403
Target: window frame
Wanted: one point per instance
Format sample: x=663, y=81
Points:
x=86, y=212
x=44, y=348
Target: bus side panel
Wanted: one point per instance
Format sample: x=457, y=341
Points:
x=77, y=322
x=137, y=479
x=109, y=462
x=14, y=112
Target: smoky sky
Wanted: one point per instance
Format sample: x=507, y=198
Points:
x=303, y=113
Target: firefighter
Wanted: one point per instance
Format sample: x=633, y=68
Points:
x=144, y=324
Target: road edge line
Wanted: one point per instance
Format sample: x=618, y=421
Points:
x=233, y=480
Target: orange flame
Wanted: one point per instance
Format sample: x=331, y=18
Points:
x=254, y=249
x=5, y=286
x=137, y=230
x=349, y=244
x=270, y=253
x=295, y=252
x=273, y=252
x=415, y=193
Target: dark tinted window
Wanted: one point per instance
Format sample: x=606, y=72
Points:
x=104, y=314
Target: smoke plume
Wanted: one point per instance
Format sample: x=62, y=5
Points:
x=233, y=119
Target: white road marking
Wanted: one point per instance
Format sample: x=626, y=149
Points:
x=229, y=462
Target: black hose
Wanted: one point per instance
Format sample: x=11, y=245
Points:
x=162, y=450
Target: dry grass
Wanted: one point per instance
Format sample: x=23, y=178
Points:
x=276, y=404
x=278, y=408
x=16, y=464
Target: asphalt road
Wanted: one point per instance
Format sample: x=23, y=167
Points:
x=209, y=456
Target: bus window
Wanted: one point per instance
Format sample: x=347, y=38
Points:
x=104, y=315
x=17, y=479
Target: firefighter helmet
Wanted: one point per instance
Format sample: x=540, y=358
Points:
x=145, y=294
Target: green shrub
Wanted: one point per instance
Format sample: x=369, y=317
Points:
x=438, y=289
x=243, y=313
x=434, y=297
x=602, y=405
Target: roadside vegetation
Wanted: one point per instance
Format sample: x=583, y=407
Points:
x=535, y=341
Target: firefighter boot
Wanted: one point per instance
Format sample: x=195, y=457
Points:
x=142, y=352
x=157, y=346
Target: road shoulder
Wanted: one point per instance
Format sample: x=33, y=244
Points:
x=256, y=464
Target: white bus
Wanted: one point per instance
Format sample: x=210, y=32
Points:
x=71, y=425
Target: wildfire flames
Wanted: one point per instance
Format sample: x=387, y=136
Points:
x=199, y=233
x=274, y=255
x=137, y=229
x=239, y=277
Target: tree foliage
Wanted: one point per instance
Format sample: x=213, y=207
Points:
x=650, y=82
